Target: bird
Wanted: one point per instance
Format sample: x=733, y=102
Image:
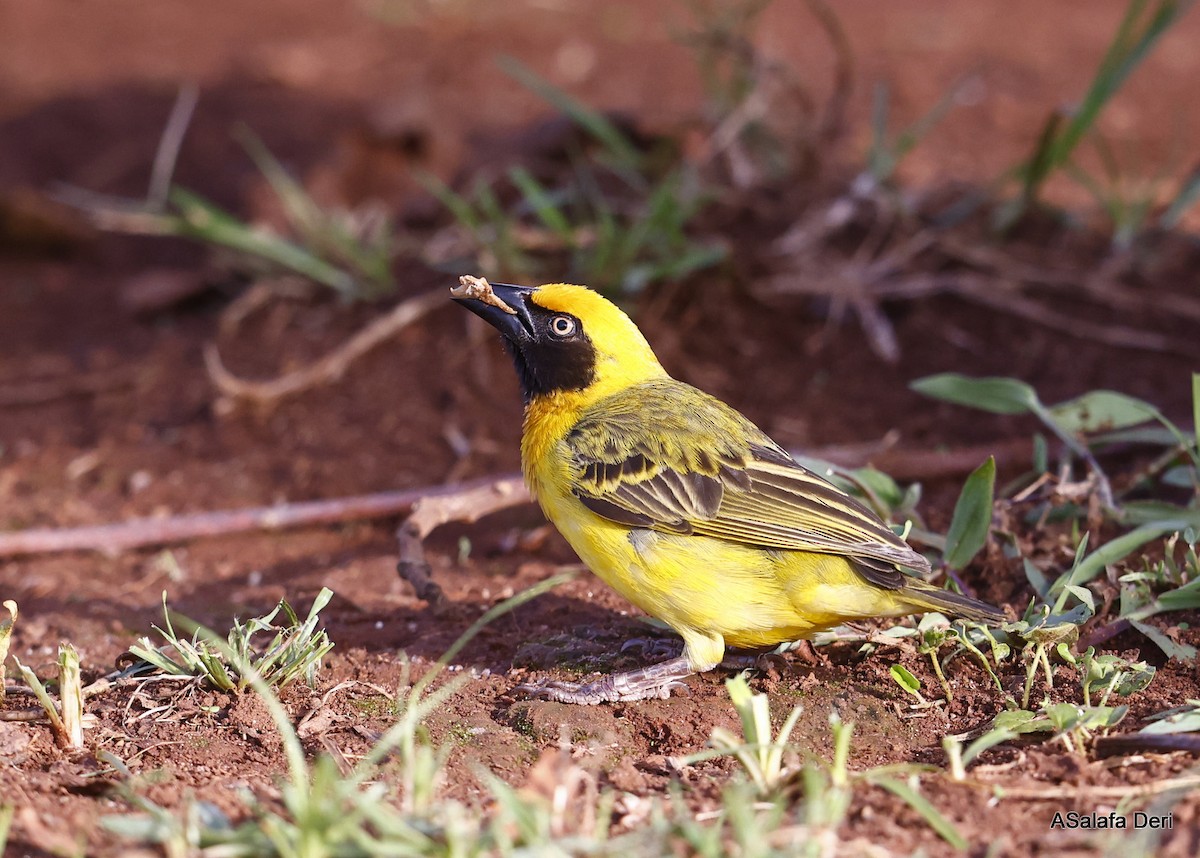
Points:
x=680, y=503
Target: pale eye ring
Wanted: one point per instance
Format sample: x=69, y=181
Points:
x=562, y=326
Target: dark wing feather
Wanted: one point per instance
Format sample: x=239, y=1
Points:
x=666, y=456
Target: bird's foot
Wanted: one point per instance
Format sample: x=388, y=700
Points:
x=655, y=681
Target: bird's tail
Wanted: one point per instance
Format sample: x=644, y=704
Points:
x=932, y=598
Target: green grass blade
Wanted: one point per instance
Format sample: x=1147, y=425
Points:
x=6, y=817
x=1128, y=49
x=1041, y=162
x=1196, y=408
x=904, y=678
x=539, y=199
x=972, y=516
x=460, y=208
x=881, y=160
x=593, y=122
x=204, y=221
x=1183, y=652
x=917, y=131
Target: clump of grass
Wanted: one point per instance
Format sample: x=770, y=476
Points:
x=6, y=629
x=322, y=811
x=827, y=789
x=1134, y=203
x=763, y=122
x=66, y=716
x=347, y=251
x=760, y=754
x=295, y=652
x=617, y=220
x=1144, y=23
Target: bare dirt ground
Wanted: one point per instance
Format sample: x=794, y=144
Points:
x=107, y=415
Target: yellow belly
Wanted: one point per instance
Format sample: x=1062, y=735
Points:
x=715, y=592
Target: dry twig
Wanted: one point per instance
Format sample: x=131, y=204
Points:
x=429, y=513
x=1093, y=793
x=993, y=279
x=431, y=506
x=330, y=367
x=143, y=532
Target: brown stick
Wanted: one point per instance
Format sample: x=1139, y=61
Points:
x=431, y=512
x=143, y=532
x=430, y=507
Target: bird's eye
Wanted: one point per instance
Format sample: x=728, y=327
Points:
x=562, y=326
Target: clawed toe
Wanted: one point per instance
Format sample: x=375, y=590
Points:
x=652, y=682
x=593, y=693
x=561, y=692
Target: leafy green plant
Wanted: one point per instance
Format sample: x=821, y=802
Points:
x=1107, y=673
x=1106, y=415
x=903, y=677
x=1072, y=724
x=1144, y=23
x=293, y=653
x=1069, y=723
x=933, y=631
x=1165, y=585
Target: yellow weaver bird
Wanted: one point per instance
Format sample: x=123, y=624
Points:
x=681, y=504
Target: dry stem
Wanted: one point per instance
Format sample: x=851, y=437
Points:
x=327, y=369
x=143, y=532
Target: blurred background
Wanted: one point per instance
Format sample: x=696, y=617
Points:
x=227, y=230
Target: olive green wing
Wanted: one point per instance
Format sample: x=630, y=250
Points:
x=666, y=456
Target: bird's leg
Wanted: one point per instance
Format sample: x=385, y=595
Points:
x=657, y=680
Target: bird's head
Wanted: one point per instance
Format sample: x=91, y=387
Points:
x=567, y=339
